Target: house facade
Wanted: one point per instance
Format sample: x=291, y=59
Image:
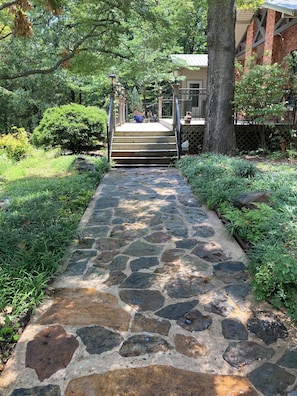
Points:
x=270, y=34
x=192, y=70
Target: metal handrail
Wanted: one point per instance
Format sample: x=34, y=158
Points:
x=110, y=127
x=178, y=129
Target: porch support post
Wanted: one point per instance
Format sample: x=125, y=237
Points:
x=249, y=42
x=269, y=35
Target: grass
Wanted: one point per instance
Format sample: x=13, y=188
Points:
x=46, y=198
x=270, y=230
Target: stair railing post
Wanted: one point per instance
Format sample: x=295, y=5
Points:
x=111, y=115
x=175, y=96
x=160, y=104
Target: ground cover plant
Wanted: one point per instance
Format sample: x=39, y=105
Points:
x=270, y=230
x=43, y=198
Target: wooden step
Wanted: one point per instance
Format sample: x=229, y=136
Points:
x=143, y=148
x=143, y=139
x=143, y=161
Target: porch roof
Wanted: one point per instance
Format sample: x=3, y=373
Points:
x=191, y=60
x=287, y=7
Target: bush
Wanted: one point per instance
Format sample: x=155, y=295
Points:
x=71, y=127
x=15, y=145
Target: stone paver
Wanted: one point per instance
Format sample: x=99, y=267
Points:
x=155, y=301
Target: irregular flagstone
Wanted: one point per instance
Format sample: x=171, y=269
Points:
x=168, y=269
x=271, y=379
x=138, y=280
x=176, y=311
x=267, y=326
x=172, y=221
x=129, y=231
x=151, y=219
x=50, y=350
x=75, y=269
x=219, y=305
x=195, y=321
x=143, y=300
x=49, y=390
x=86, y=242
x=94, y=273
x=195, y=216
x=82, y=254
x=104, y=258
x=234, y=329
x=171, y=255
x=110, y=243
x=102, y=217
x=187, y=286
x=115, y=278
x=140, y=248
x=118, y=263
x=189, y=200
x=239, y=354
x=143, y=263
x=203, y=231
x=209, y=251
x=238, y=292
x=189, y=346
x=95, y=231
x=143, y=344
x=103, y=203
x=143, y=324
x=97, y=339
x=196, y=263
x=186, y=243
x=158, y=237
x=86, y=306
x=289, y=359
x=179, y=232
x=157, y=381
x=231, y=271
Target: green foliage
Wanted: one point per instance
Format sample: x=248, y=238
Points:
x=214, y=177
x=71, y=127
x=259, y=91
x=8, y=332
x=270, y=230
x=249, y=4
x=15, y=145
x=47, y=198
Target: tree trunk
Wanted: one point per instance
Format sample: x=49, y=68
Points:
x=219, y=135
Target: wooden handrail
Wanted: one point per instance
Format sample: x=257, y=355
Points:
x=178, y=128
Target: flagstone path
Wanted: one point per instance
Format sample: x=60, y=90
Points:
x=155, y=300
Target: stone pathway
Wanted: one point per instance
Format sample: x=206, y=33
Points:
x=155, y=300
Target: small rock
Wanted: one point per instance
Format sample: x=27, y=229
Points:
x=249, y=199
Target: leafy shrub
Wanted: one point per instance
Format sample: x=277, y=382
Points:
x=71, y=127
x=16, y=145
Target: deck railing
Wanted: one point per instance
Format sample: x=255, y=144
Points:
x=189, y=99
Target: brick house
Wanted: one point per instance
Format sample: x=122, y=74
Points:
x=270, y=33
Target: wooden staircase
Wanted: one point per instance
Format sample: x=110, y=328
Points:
x=143, y=145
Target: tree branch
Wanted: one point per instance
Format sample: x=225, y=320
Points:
x=53, y=68
x=8, y=4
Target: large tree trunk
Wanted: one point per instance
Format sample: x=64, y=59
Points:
x=219, y=135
